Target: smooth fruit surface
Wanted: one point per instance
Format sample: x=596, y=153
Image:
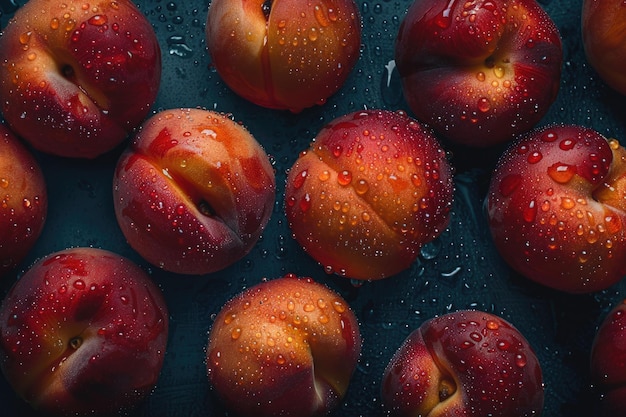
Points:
x=604, y=39
x=557, y=210
x=194, y=191
x=77, y=77
x=83, y=331
x=23, y=200
x=373, y=187
x=466, y=363
x=284, y=54
x=479, y=72
x=284, y=347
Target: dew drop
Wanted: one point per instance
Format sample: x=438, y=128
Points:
x=324, y=175
x=503, y=345
x=484, y=105
x=235, y=333
x=298, y=181
x=561, y=173
x=568, y=203
x=492, y=325
x=520, y=360
x=344, y=177
x=530, y=212
x=24, y=38
x=416, y=180
x=567, y=144
x=361, y=186
x=535, y=157
x=98, y=20
x=339, y=306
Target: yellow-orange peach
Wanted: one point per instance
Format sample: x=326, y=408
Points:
x=284, y=54
x=371, y=190
x=286, y=346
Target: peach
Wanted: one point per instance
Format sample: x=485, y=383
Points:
x=286, y=346
x=284, y=54
x=194, y=191
x=23, y=201
x=373, y=188
x=77, y=77
x=83, y=331
x=466, y=363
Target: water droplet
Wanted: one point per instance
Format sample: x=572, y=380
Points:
x=361, y=187
x=475, y=336
x=498, y=71
x=561, y=173
x=98, y=20
x=520, y=360
x=492, y=325
x=484, y=105
x=612, y=224
x=430, y=250
x=567, y=144
x=530, y=212
x=178, y=47
x=235, y=333
x=535, y=157
x=503, y=344
x=324, y=175
x=79, y=284
x=298, y=181
x=24, y=38
x=339, y=306
x=549, y=136
x=344, y=177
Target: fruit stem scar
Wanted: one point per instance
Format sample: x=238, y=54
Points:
x=266, y=7
x=68, y=72
x=76, y=342
x=446, y=389
x=206, y=209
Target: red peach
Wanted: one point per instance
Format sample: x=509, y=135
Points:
x=608, y=362
x=83, y=331
x=466, y=363
x=75, y=77
x=479, y=72
x=194, y=191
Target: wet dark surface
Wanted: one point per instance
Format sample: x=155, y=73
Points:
x=459, y=270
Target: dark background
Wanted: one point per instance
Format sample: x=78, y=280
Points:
x=459, y=270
